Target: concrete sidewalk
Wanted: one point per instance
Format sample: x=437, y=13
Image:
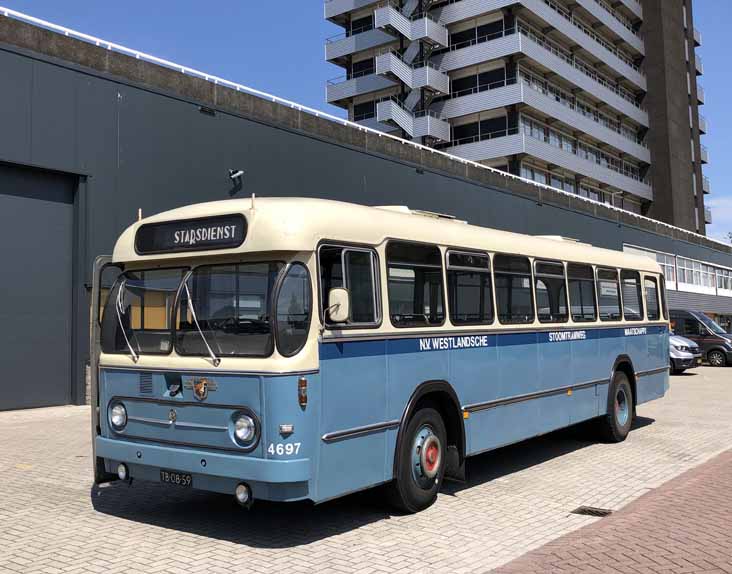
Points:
x=685, y=526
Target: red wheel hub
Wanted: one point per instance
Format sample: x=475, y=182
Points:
x=431, y=457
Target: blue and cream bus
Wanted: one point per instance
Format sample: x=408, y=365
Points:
x=288, y=349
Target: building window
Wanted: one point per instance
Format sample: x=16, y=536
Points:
x=362, y=68
x=364, y=111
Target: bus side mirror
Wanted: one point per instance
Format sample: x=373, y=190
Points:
x=339, y=305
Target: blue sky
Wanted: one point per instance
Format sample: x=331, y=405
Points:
x=277, y=47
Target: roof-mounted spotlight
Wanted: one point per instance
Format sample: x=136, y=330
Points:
x=236, y=174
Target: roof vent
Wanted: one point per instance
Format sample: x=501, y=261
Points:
x=404, y=209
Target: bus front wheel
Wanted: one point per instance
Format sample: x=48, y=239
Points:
x=420, y=465
x=616, y=423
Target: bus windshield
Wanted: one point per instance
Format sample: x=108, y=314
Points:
x=225, y=310
x=137, y=313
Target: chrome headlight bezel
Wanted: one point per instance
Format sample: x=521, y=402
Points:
x=118, y=416
x=245, y=429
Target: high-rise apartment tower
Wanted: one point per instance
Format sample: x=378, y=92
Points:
x=596, y=97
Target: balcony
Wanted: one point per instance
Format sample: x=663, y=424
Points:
x=374, y=124
x=537, y=95
x=697, y=38
x=335, y=8
x=419, y=124
x=415, y=76
x=634, y=6
x=617, y=22
x=346, y=87
x=704, y=154
x=511, y=142
x=547, y=54
x=698, y=65
x=700, y=95
x=342, y=45
x=702, y=124
x=707, y=215
x=557, y=16
x=706, y=185
x=423, y=27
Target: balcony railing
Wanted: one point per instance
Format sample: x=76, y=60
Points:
x=576, y=63
x=703, y=125
x=618, y=16
x=698, y=64
x=479, y=138
x=704, y=155
x=568, y=100
x=567, y=15
x=706, y=185
x=700, y=95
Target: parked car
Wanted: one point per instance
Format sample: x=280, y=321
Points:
x=715, y=343
x=685, y=354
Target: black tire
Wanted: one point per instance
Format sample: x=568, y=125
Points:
x=407, y=492
x=613, y=426
x=716, y=358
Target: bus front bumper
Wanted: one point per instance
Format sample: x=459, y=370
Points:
x=281, y=480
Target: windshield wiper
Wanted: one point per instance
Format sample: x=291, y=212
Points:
x=216, y=361
x=119, y=308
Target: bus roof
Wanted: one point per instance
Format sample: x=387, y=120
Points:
x=299, y=224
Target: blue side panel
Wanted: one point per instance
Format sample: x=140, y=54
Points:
x=651, y=387
x=354, y=390
x=555, y=370
x=585, y=368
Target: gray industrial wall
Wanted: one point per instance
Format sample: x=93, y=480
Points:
x=89, y=136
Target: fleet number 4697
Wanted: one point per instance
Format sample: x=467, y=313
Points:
x=280, y=449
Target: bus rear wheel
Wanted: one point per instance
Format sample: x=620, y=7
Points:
x=420, y=465
x=615, y=425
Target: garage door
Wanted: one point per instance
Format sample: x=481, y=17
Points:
x=36, y=247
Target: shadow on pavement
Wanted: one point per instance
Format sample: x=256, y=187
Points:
x=280, y=525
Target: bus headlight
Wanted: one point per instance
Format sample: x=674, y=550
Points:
x=118, y=416
x=244, y=428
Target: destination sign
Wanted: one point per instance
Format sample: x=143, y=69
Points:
x=203, y=234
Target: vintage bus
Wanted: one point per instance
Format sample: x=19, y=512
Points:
x=287, y=349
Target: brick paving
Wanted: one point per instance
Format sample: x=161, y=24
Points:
x=516, y=500
x=685, y=526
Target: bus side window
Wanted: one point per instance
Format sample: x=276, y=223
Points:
x=652, y=300
x=414, y=284
x=551, y=292
x=632, y=298
x=664, y=305
x=360, y=278
x=469, y=288
x=581, y=292
x=608, y=295
x=513, y=289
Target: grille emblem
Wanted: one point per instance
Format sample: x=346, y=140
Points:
x=200, y=387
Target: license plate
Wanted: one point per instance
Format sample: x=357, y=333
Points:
x=176, y=478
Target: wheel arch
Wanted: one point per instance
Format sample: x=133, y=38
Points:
x=442, y=396
x=624, y=364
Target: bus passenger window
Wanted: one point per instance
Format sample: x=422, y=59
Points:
x=414, y=285
x=652, y=300
x=360, y=279
x=513, y=289
x=632, y=298
x=581, y=292
x=608, y=295
x=551, y=292
x=469, y=288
